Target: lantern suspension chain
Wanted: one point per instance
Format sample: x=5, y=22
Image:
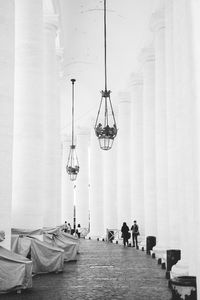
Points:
x=73, y=80
x=105, y=45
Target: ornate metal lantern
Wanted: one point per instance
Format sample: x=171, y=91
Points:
x=105, y=126
x=72, y=163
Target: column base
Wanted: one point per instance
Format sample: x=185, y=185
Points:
x=142, y=245
x=180, y=269
x=183, y=287
x=161, y=256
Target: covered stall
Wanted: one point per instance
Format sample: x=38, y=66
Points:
x=60, y=240
x=45, y=257
x=15, y=271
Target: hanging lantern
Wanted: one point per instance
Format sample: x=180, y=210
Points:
x=72, y=163
x=105, y=126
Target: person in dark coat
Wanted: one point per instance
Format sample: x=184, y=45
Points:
x=135, y=233
x=125, y=233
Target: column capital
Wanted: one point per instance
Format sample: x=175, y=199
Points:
x=147, y=54
x=60, y=59
x=135, y=79
x=157, y=21
x=60, y=53
x=51, y=21
x=124, y=96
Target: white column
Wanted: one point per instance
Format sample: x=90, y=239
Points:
x=6, y=115
x=82, y=182
x=148, y=59
x=52, y=121
x=195, y=9
x=137, y=157
x=110, y=187
x=186, y=135
x=67, y=187
x=124, y=160
x=28, y=116
x=96, y=201
x=60, y=79
x=158, y=26
x=174, y=238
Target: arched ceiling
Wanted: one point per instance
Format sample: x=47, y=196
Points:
x=82, y=38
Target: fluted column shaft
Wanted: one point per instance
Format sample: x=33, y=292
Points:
x=186, y=133
x=195, y=9
x=52, y=147
x=28, y=116
x=148, y=59
x=110, y=188
x=96, y=201
x=124, y=160
x=158, y=26
x=137, y=157
x=6, y=114
x=174, y=239
x=82, y=188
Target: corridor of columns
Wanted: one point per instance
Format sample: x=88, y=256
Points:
x=103, y=271
x=53, y=70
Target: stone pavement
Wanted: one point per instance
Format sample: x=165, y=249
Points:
x=103, y=271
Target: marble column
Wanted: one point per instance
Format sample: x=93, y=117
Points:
x=174, y=238
x=28, y=180
x=96, y=201
x=110, y=187
x=186, y=134
x=124, y=160
x=67, y=186
x=195, y=17
x=137, y=157
x=52, y=147
x=150, y=211
x=6, y=115
x=158, y=27
x=82, y=182
x=60, y=80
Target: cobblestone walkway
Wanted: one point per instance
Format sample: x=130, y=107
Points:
x=103, y=272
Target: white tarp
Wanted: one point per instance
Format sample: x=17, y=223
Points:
x=15, y=271
x=70, y=247
x=51, y=230
x=45, y=258
x=70, y=238
x=26, y=231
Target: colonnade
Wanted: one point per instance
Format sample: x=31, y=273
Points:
x=152, y=172
x=164, y=134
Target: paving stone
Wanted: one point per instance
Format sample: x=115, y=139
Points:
x=103, y=271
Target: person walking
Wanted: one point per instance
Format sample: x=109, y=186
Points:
x=125, y=233
x=65, y=227
x=79, y=230
x=69, y=230
x=135, y=233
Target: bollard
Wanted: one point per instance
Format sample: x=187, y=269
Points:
x=153, y=255
x=173, y=255
x=150, y=243
x=183, y=287
x=163, y=267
